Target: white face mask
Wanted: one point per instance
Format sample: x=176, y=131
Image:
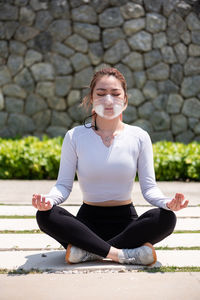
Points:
x=108, y=107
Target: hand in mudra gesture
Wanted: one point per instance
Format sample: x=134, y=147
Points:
x=39, y=202
x=178, y=202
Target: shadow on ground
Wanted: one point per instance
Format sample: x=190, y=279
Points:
x=54, y=261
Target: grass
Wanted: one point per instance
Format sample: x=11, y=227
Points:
x=188, y=217
x=169, y=269
x=22, y=271
x=29, y=204
x=78, y=204
x=39, y=231
x=186, y=231
x=17, y=217
x=178, y=248
x=15, y=204
x=21, y=231
x=33, y=217
x=48, y=247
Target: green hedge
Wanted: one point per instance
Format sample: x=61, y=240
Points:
x=31, y=158
x=177, y=161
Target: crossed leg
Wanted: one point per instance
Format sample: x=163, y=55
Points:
x=152, y=226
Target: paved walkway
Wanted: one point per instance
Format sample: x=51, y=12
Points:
x=25, y=251
x=102, y=286
x=20, y=191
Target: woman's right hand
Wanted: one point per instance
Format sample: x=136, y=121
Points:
x=39, y=202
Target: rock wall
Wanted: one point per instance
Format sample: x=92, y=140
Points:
x=50, y=49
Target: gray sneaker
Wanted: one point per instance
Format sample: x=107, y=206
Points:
x=144, y=255
x=76, y=255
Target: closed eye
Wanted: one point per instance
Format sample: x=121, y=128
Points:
x=114, y=95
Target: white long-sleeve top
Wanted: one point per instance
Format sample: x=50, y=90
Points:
x=107, y=173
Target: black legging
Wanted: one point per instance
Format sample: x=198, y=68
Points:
x=96, y=228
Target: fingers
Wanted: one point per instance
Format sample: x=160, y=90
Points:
x=179, y=197
x=185, y=204
x=48, y=205
x=45, y=204
x=173, y=204
x=34, y=200
x=39, y=202
x=177, y=202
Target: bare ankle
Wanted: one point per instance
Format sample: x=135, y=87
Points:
x=113, y=254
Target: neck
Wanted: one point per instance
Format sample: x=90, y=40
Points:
x=109, y=125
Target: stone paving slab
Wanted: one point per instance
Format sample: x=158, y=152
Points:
x=24, y=189
x=18, y=224
x=188, y=224
x=55, y=260
x=42, y=241
x=31, y=224
x=28, y=210
x=180, y=240
x=193, y=212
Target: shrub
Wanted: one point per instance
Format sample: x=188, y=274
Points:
x=168, y=161
x=177, y=161
x=192, y=161
x=31, y=158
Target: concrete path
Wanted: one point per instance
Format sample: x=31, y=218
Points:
x=102, y=286
x=6, y=210
x=92, y=280
x=54, y=260
x=42, y=241
x=22, y=250
x=20, y=191
x=15, y=247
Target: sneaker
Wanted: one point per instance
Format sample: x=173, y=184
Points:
x=144, y=255
x=76, y=255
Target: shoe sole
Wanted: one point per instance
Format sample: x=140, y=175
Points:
x=153, y=252
x=67, y=255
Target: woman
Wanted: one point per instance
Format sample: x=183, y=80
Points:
x=107, y=156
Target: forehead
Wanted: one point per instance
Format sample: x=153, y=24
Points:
x=108, y=82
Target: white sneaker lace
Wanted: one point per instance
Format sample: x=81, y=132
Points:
x=130, y=256
x=130, y=260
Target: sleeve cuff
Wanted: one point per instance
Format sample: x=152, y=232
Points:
x=165, y=204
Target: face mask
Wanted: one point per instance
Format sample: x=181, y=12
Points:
x=108, y=107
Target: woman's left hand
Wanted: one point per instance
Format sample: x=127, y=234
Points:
x=177, y=202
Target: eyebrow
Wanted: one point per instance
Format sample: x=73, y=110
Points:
x=101, y=89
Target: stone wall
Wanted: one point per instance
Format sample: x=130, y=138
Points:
x=50, y=49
